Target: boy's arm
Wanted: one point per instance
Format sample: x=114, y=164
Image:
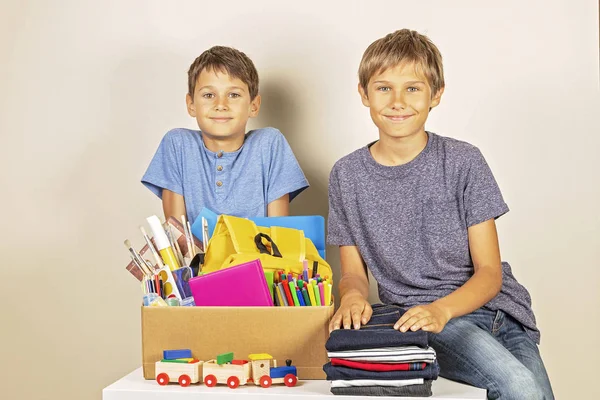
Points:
x=173, y=204
x=483, y=286
x=279, y=207
x=354, y=290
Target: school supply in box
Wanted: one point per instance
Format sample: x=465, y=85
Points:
x=161, y=267
x=238, y=240
x=303, y=290
x=213, y=330
x=242, y=285
x=277, y=266
x=313, y=226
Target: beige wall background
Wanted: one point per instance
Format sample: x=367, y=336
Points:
x=88, y=88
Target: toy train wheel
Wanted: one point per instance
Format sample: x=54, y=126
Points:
x=184, y=380
x=265, y=381
x=233, y=382
x=162, y=379
x=290, y=380
x=210, y=380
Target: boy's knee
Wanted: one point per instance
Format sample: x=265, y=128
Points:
x=521, y=386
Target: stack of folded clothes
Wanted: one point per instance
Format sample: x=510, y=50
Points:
x=378, y=360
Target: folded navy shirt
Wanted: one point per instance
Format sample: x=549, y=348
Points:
x=377, y=333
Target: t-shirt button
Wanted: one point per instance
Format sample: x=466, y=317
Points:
x=219, y=168
x=220, y=154
x=219, y=183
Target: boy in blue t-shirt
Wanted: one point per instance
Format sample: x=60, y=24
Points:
x=221, y=167
x=418, y=210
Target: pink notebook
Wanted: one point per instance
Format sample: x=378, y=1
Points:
x=242, y=285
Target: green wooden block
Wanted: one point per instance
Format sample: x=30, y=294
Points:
x=224, y=358
x=175, y=361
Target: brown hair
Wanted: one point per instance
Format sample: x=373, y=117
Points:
x=403, y=46
x=224, y=59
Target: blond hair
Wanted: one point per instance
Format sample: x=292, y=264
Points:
x=224, y=59
x=400, y=47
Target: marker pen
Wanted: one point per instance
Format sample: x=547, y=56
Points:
x=162, y=243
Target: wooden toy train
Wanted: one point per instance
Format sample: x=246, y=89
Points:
x=224, y=370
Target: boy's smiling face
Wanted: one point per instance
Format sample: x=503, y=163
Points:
x=399, y=99
x=221, y=105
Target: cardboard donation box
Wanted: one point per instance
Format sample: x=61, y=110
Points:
x=296, y=333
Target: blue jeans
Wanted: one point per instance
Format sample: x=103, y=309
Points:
x=423, y=390
x=491, y=350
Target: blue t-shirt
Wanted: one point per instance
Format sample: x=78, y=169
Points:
x=410, y=223
x=240, y=183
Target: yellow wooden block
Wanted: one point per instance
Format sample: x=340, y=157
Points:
x=260, y=356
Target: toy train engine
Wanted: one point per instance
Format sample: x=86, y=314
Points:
x=265, y=375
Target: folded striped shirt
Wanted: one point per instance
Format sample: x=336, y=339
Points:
x=376, y=382
x=388, y=354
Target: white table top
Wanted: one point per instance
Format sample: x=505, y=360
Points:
x=135, y=387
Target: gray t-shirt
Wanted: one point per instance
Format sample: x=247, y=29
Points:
x=410, y=223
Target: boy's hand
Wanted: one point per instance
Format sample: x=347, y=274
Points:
x=354, y=311
x=430, y=318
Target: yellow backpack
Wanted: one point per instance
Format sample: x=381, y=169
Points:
x=238, y=240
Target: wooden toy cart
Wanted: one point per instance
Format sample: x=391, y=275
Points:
x=183, y=373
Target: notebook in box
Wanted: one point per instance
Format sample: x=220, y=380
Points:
x=242, y=285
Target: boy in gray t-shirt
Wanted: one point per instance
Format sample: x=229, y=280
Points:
x=418, y=210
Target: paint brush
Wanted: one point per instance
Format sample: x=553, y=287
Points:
x=175, y=245
x=159, y=261
x=188, y=239
x=140, y=261
x=189, y=227
x=138, y=266
x=204, y=234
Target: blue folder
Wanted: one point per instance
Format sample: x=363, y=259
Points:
x=312, y=225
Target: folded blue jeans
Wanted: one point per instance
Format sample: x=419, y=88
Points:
x=377, y=333
x=423, y=390
x=430, y=372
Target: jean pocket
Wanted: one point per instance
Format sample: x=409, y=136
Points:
x=441, y=216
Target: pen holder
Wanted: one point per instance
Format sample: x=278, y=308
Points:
x=169, y=283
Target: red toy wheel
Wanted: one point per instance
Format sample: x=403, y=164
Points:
x=162, y=379
x=210, y=380
x=233, y=382
x=290, y=380
x=265, y=381
x=184, y=380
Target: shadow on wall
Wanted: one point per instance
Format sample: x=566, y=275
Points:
x=279, y=109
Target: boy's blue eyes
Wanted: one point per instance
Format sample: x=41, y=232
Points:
x=387, y=89
x=211, y=95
